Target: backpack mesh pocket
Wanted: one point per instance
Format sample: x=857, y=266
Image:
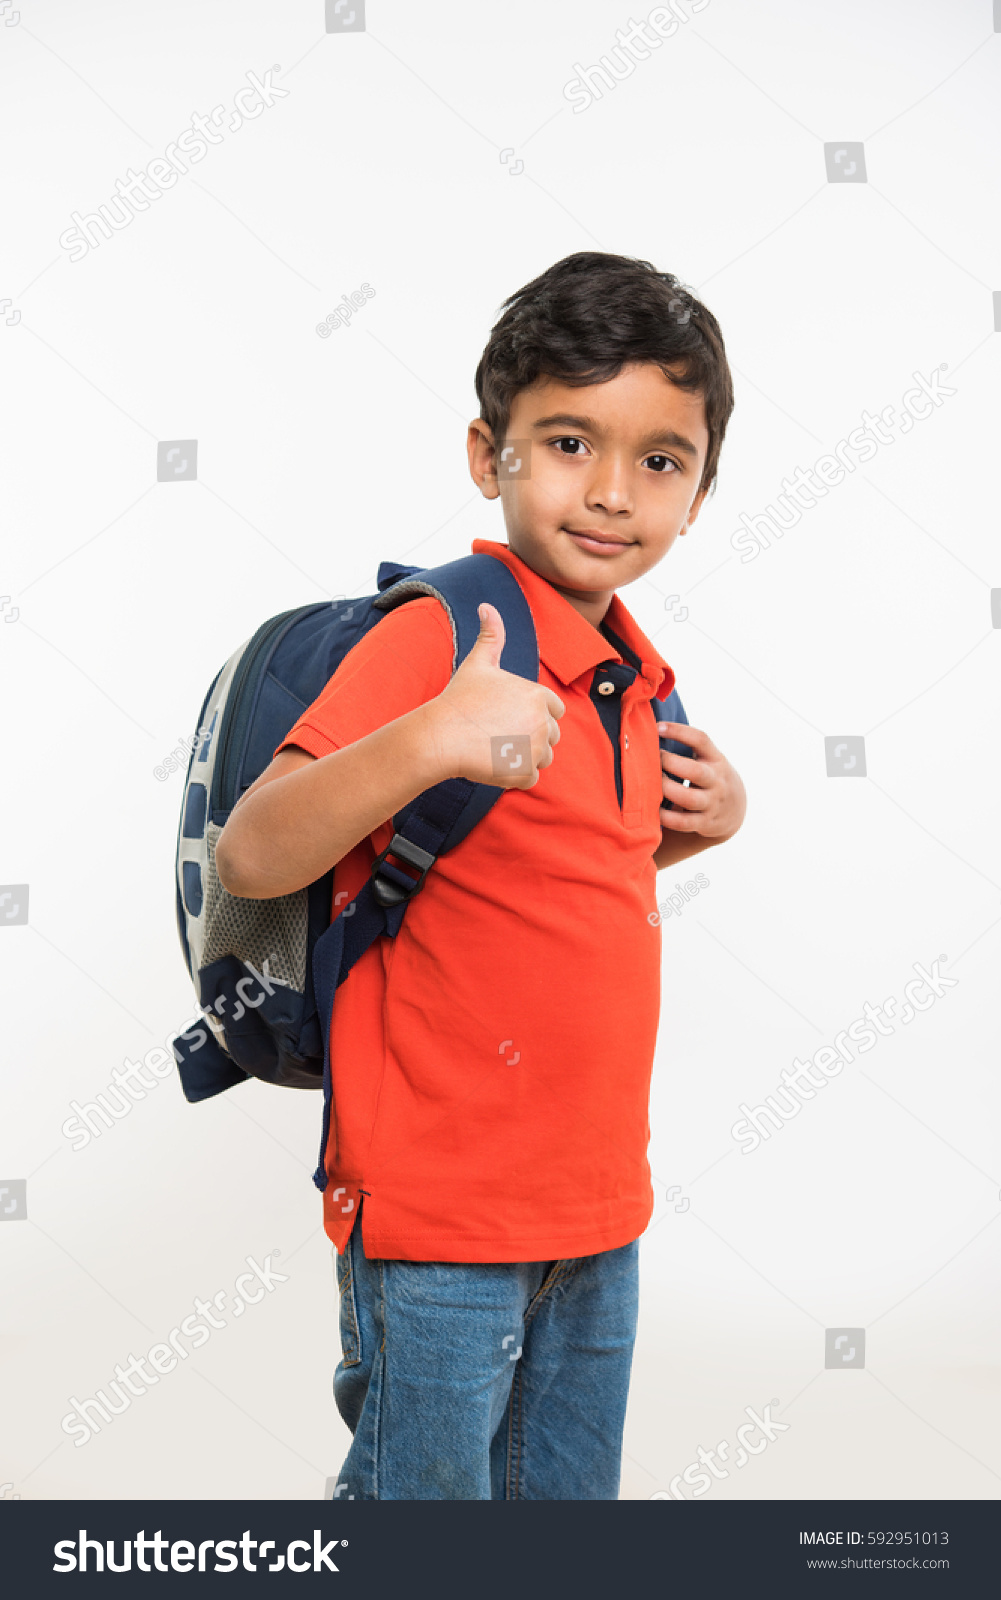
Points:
x=255, y=931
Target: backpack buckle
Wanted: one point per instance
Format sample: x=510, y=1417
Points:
x=390, y=884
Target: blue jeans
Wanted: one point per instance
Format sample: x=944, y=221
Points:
x=484, y=1381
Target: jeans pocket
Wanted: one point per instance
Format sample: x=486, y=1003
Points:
x=350, y=1336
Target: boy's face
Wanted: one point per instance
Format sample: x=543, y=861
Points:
x=610, y=480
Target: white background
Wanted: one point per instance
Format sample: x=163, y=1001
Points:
x=877, y=1206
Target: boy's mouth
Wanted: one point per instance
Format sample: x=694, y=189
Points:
x=598, y=541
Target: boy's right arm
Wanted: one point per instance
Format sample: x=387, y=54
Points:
x=303, y=814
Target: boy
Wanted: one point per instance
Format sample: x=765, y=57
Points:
x=488, y=1179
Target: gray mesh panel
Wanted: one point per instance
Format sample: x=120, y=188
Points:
x=253, y=930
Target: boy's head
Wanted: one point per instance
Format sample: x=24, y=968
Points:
x=604, y=396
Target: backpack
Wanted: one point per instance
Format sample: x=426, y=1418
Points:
x=265, y=972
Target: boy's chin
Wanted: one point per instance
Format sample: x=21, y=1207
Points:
x=589, y=570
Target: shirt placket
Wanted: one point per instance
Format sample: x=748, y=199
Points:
x=635, y=703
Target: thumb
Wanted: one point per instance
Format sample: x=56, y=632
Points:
x=490, y=639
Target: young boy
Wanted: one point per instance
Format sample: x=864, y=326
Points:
x=488, y=1178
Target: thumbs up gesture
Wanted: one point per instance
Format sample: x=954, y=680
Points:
x=492, y=726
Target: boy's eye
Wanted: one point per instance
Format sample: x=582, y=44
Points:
x=570, y=445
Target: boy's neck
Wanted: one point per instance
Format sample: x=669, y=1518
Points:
x=592, y=607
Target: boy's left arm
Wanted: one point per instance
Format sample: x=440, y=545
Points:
x=710, y=810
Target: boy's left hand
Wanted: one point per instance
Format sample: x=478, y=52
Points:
x=715, y=802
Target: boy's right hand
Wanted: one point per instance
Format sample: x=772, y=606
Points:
x=484, y=708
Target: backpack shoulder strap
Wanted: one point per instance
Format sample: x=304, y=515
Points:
x=671, y=710
x=441, y=817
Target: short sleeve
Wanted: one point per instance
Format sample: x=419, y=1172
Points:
x=401, y=663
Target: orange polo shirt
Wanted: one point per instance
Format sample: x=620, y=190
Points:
x=491, y=1064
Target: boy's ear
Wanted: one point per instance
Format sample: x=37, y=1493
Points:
x=482, y=458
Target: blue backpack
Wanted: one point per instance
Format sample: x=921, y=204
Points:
x=266, y=971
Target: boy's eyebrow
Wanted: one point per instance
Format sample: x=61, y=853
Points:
x=565, y=419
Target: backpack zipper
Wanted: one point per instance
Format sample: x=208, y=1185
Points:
x=263, y=642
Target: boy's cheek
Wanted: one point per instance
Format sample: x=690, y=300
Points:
x=536, y=504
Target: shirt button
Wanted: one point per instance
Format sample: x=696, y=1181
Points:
x=627, y=741
x=606, y=687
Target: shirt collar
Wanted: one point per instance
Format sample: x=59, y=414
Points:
x=568, y=644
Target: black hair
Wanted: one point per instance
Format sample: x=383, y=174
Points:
x=587, y=316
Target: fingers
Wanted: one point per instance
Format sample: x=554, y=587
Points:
x=554, y=704
x=548, y=755
x=681, y=821
x=687, y=799
x=694, y=737
x=491, y=637
x=699, y=773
